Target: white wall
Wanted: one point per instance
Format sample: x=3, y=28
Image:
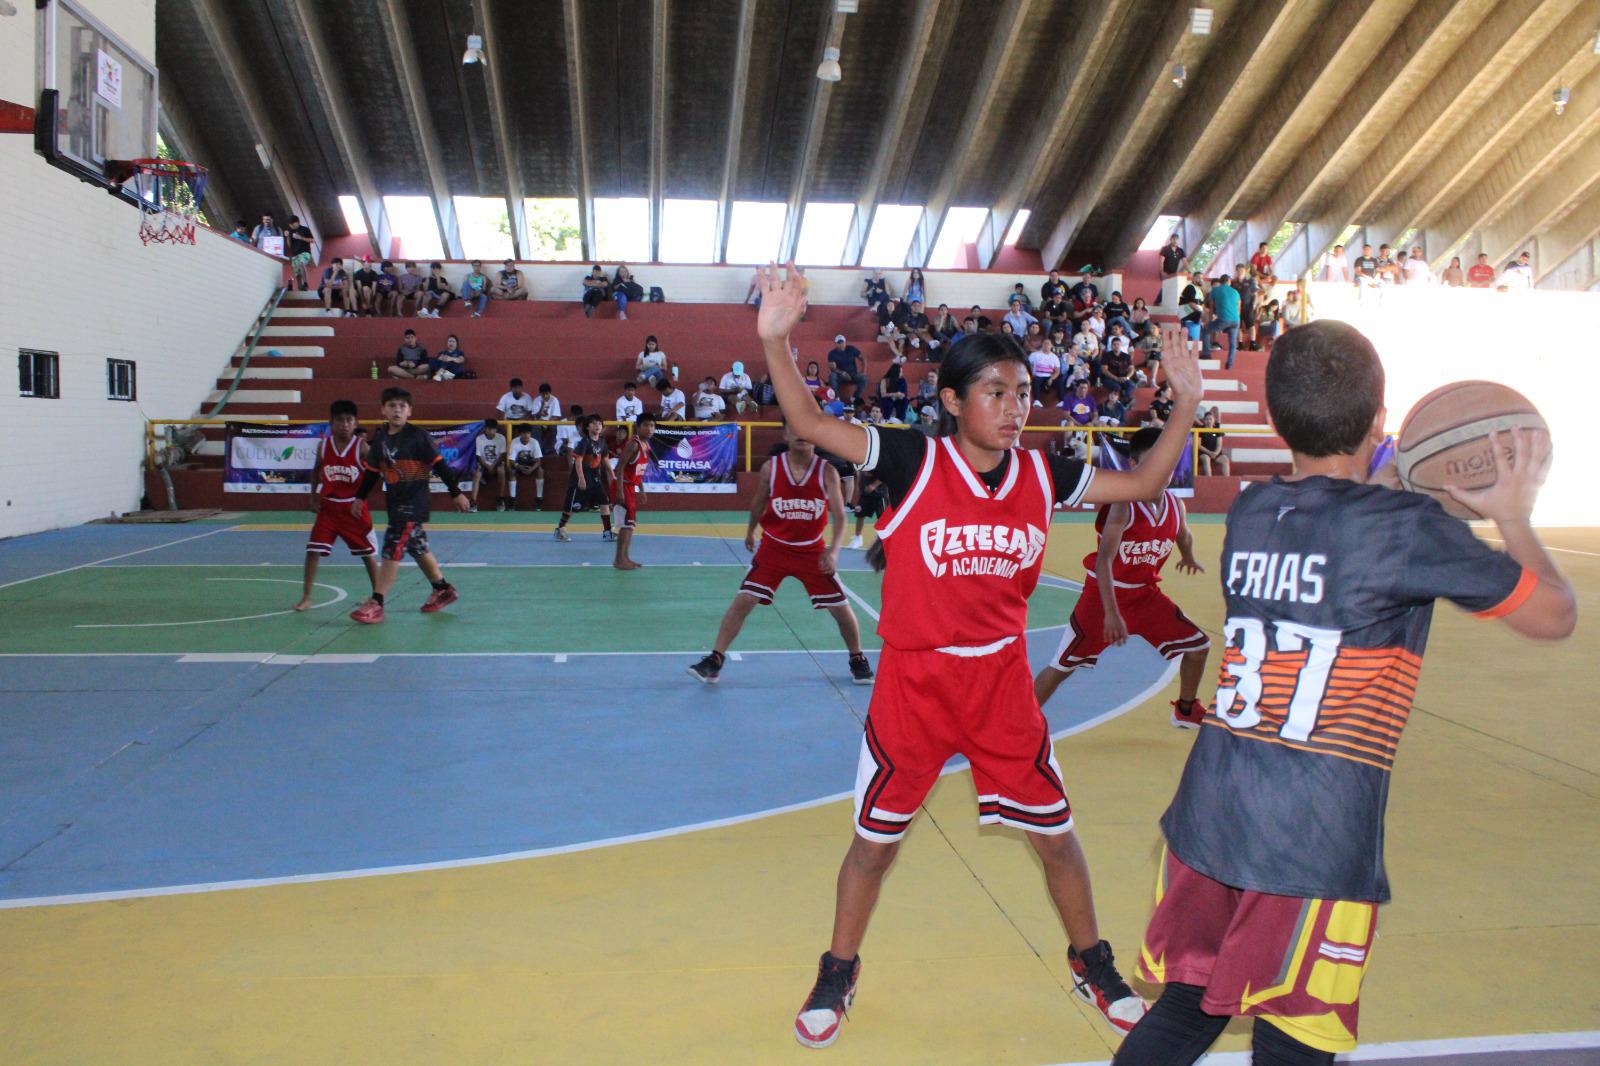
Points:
x=80, y=283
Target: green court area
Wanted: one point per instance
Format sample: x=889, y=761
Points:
x=528, y=610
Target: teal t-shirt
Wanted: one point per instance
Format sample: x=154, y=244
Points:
x=1225, y=302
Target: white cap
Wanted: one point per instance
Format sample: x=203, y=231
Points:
x=840, y=337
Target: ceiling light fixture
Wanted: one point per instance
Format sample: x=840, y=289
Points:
x=828, y=69
x=1179, y=74
x=474, y=52
x=846, y=7
x=1561, y=98
x=261, y=154
x=1200, y=21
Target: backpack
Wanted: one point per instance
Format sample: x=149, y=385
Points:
x=656, y=295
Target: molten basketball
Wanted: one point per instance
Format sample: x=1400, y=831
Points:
x=1445, y=438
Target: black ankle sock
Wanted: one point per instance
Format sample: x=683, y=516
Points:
x=1176, y=1032
x=440, y=585
x=377, y=597
x=1274, y=1047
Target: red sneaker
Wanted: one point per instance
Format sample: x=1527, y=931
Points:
x=1186, y=714
x=440, y=599
x=817, y=1024
x=369, y=613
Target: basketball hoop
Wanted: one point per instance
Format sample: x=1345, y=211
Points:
x=168, y=192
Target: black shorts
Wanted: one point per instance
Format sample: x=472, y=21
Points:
x=593, y=497
x=402, y=538
x=872, y=504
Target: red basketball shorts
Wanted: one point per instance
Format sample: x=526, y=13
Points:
x=1147, y=612
x=625, y=508
x=774, y=562
x=1296, y=962
x=335, y=523
x=928, y=706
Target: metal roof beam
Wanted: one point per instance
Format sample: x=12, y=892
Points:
x=1132, y=110
x=1253, y=39
x=658, y=121
x=736, y=107
x=1059, y=120
x=1008, y=19
x=208, y=15
x=183, y=137
x=402, y=49
x=1558, y=190
x=1567, y=237
x=1518, y=100
x=914, y=52
x=495, y=79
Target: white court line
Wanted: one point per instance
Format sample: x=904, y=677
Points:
x=342, y=595
x=1422, y=1049
x=863, y=604
x=114, y=558
x=537, y=853
x=1497, y=540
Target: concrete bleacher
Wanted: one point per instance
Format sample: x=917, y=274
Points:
x=321, y=359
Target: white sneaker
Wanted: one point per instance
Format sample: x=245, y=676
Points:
x=855, y=544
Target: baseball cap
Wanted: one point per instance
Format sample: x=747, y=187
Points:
x=840, y=337
x=738, y=368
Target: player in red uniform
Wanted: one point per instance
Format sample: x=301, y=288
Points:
x=333, y=490
x=963, y=542
x=798, y=494
x=628, y=486
x=1122, y=596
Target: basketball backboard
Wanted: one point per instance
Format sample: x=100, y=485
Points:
x=99, y=97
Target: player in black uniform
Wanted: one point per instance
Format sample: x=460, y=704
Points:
x=404, y=457
x=589, y=482
x=1267, y=902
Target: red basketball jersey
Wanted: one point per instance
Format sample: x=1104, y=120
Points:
x=961, y=561
x=633, y=473
x=1146, y=543
x=341, y=470
x=797, y=508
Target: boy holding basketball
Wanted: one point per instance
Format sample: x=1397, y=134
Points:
x=405, y=457
x=1267, y=901
x=333, y=499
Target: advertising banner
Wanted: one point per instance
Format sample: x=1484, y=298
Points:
x=693, y=459
x=262, y=457
x=1111, y=452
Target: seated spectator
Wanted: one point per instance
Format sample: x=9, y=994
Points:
x=1388, y=269
x=945, y=326
x=928, y=419
x=1139, y=317
x=410, y=359
x=547, y=408
x=763, y=393
x=629, y=406
x=1117, y=310
x=891, y=326
x=1019, y=318
x=1150, y=344
x=916, y=287
x=813, y=376
x=919, y=327
x=1034, y=339
x=1261, y=263
x=1297, y=309
x=386, y=291
x=1080, y=406
x=450, y=361
x=1209, y=455
x=735, y=388
x=1518, y=273
x=1086, y=344
x=410, y=298
x=1453, y=277
x=516, y=404
x=1086, y=290
x=1006, y=330
x=969, y=327
x=1269, y=321
x=1097, y=325
x=1116, y=330
x=241, y=232
x=567, y=433
x=1053, y=288
x=1417, y=272
x=984, y=324
x=1366, y=269
x=508, y=285
x=1161, y=407
x=335, y=288
x=475, y=289
x=527, y=460
x=893, y=395
x=366, y=288
x=439, y=292
x=674, y=405
x=624, y=288
x=708, y=406
x=875, y=290
x=1074, y=368
x=1019, y=294
x=1480, y=275
x=845, y=364
x=1045, y=367
x=491, y=466
x=928, y=390
x=596, y=290
x=1116, y=372
x=1335, y=266
x=651, y=363
x=1083, y=305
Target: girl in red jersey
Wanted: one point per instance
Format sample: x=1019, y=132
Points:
x=333, y=490
x=798, y=494
x=963, y=542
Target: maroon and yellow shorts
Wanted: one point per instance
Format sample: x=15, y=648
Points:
x=1296, y=962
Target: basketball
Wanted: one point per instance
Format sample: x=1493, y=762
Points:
x=1445, y=438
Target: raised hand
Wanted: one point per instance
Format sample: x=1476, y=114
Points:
x=783, y=301
x=1182, y=367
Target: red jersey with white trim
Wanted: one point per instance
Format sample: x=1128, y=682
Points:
x=341, y=470
x=797, y=508
x=632, y=474
x=1146, y=545
x=960, y=560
